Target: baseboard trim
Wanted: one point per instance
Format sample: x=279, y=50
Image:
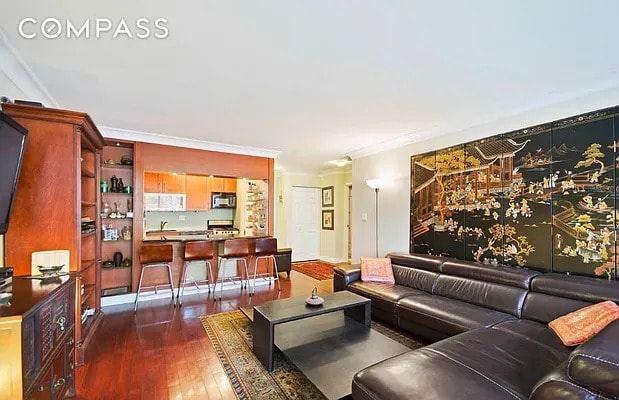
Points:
x=118, y=299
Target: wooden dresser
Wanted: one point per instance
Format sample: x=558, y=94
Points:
x=37, y=342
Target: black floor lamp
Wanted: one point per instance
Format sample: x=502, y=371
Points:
x=376, y=185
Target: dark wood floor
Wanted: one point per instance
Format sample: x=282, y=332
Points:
x=162, y=352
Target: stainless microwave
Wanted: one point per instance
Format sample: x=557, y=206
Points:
x=223, y=200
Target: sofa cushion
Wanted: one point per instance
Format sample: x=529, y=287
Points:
x=423, y=374
x=544, y=308
x=420, y=261
x=495, y=296
x=595, y=364
x=502, y=274
x=447, y=315
x=383, y=295
x=415, y=278
x=376, y=270
x=592, y=290
x=480, y=364
x=581, y=325
x=557, y=386
x=537, y=332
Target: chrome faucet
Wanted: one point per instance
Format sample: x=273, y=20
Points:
x=162, y=225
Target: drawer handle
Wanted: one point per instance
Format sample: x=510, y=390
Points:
x=70, y=341
x=71, y=366
x=61, y=321
x=59, y=383
x=41, y=388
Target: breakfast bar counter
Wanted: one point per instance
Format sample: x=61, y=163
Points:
x=158, y=276
x=181, y=237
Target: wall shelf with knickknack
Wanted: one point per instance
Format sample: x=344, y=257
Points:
x=117, y=231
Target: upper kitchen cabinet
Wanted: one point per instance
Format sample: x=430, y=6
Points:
x=219, y=184
x=198, y=193
x=163, y=182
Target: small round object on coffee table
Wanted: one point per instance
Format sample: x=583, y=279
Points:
x=314, y=301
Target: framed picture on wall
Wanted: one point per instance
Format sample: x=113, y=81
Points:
x=327, y=196
x=327, y=219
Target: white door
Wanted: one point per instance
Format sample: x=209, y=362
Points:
x=305, y=238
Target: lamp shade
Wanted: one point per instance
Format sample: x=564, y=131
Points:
x=374, y=183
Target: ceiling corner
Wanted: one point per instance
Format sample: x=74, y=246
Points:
x=18, y=71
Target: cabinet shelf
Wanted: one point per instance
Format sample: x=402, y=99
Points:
x=117, y=166
x=114, y=219
x=88, y=234
x=91, y=323
x=115, y=193
x=116, y=241
x=88, y=204
x=88, y=291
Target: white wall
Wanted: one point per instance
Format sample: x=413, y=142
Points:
x=394, y=166
x=333, y=244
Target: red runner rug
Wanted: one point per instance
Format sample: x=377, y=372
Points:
x=314, y=269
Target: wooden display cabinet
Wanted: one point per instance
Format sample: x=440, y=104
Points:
x=38, y=344
x=58, y=191
x=117, y=217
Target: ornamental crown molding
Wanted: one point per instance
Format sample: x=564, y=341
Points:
x=157, y=138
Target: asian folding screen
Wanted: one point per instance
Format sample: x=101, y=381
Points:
x=543, y=197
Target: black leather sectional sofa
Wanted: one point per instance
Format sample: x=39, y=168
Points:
x=488, y=325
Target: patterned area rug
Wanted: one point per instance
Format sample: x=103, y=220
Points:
x=314, y=269
x=231, y=335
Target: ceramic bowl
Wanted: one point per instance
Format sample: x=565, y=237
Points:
x=314, y=301
x=49, y=269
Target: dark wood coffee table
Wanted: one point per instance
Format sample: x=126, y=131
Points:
x=275, y=312
x=329, y=343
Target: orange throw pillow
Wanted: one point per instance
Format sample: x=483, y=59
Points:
x=376, y=270
x=581, y=325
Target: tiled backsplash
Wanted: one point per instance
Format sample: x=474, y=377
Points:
x=194, y=220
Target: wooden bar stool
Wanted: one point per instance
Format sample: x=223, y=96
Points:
x=232, y=250
x=156, y=256
x=265, y=249
x=196, y=251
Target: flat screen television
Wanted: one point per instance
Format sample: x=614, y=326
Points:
x=12, y=144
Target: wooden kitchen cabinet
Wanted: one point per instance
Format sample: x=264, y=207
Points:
x=198, y=193
x=230, y=185
x=163, y=182
x=173, y=183
x=152, y=182
x=219, y=184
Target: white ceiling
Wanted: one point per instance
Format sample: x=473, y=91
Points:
x=322, y=79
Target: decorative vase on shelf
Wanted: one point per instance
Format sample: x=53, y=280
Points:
x=118, y=259
x=105, y=210
x=114, y=182
x=120, y=187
